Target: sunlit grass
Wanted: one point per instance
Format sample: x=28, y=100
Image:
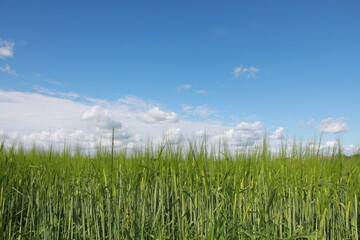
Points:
x=169, y=192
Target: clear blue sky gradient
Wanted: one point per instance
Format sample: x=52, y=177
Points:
x=307, y=53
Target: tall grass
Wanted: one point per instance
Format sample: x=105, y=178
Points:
x=168, y=192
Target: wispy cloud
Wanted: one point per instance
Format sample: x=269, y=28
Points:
x=55, y=93
x=135, y=102
x=6, y=48
x=184, y=87
x=327, y=125
x=202, y=91
x=53, y=82
x=7, y=69
x=249, y=72
x=41, y=78
x=203, y=110
x=309, y=123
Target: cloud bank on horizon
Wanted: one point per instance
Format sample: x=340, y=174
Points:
x=89, y=122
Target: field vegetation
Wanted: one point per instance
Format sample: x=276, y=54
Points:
x=175, y=192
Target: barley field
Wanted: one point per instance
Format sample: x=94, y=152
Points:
x=173, y=192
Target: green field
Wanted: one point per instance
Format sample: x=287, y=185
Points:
x=172, y=193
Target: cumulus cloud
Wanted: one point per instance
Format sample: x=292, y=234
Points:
x=156, y=115
x=101, y=118
x=249, y=72
x=244, y=134
x=333, y=145
x=46, y=137
x=173, y=135
x=6, y=48
x=7, y=69
x=278, y=134
x=80, y=136
x=202, y=110
x=202, y=134
x=330, y=125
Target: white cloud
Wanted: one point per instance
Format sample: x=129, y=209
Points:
x=244, y=134
x=278, y=134
x=350, y=149
x=35, y=117
x=46, y=137
x=6, y=48
x=203, y=110
x=156, y=115
x=249, y=72
x=201, y=133
x=7, y=69
x=330, y=144
x=3, y=135
x=27, y=112
x=85, y=139
x=29, y=116
x=330, y=125
x=173, y=135
x=184, y=87
x=44, y=120
x=101, y=118
x=81, y=136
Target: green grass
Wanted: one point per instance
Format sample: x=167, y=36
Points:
x=172, y=193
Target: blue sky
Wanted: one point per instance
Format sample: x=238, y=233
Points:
x=292, y=65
